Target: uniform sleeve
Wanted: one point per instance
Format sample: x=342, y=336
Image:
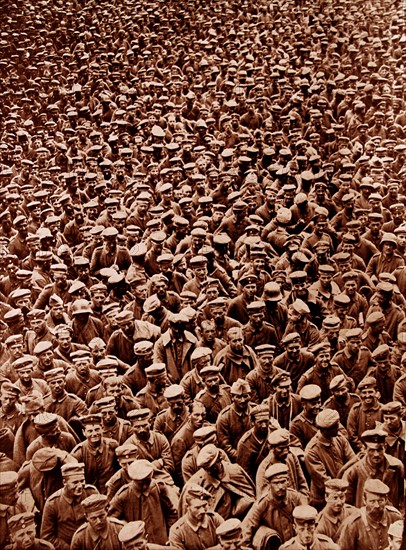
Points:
x=170, y=510
x=352, y=428
x=177, y=538
x=81, y=408
x=116, y=509
x=348, y=537
x=166, y=455
x=253, y=520
x=49, y=526
x=77, y=542
x=223, y=436
x=352, y=478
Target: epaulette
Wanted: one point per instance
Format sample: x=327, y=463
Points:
x=117, y=521
x=356, y=405
x=161, y=412
x=141, y=392
x=364, y=347
x=245, y=436
x=323, y=537
x=223, y=411
x=391, y=508
x=200, y=394
x=49, y=285
x=54, y=496
x=82, y=527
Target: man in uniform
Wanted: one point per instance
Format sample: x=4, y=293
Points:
x=196, y=530
x=192, y=382
x=22, y=533
x=143, y=499
x=326, y=454
x=336, y=510
x=304, y=425
x=96, y=452
x=236, y=360
x=364, y=414
x=305, y=522
x=214, y=396
x=169, y=421
x=260, y=379
x=367, y=528
x=341, y=399
x=59, y=401
x=133, y=536
x=235, y=420
x=378, y=465
x=253, y=446
x=63, y=512
x=395, y=429
x=232, y=491
x=272, y=512
x=113, y=427
x=99, y=531
x=10, y=503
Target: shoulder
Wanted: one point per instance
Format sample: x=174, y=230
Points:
x=356, y=405
x=245, y=437
x=80, y=529
x=224, y=411
x=116, y=521
x=54, y=497
x=162, y=413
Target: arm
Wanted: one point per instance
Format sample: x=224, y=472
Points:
x=49, y=526
x=223, y=436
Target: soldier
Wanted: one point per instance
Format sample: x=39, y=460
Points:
x=96, y=452
x=260, y=379
x=304, y=425
x=253, y=446
x=142, y=499
x=169, y=421
x=10, y=411
x=135, y=377
x=378, y=465
x=113, y=427
x=368, y=527
x=364, y=414
x=326, y=454
x=236, y=360
x=63, y=512
x=59, y=401
x=395, y=428
x=196, y=530
x=258, y=331
x=232, y=491
x=294, y=360
x=332, y=516
x=384, y=373
x=22, y=533
x=99, y=531
x=152, y=445
x=215, y=396
x=322, y=372
x=234, y=420
x=133, y=536
x=10, y=504
x=272, y=512
x=192, y=383
x=341, y=399
x=284, y=405
x=24, y=367
x=354, y=359
x=305, y=523
x=83, y=377
x=49, y=435
x=152, y=394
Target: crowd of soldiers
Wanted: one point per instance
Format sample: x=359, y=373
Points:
x=202, y=275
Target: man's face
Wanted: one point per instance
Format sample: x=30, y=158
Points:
x=140, y=292
x=74, y=486
x=114, y=389
x=335, y=500
x=218, y=313
x=142, y=429
x=305, y=531
x=266, y=362
x=353, y=345
x=257, y=319
x=236, y=342
x=93, y=433
x=57, y=312
x=82, y=367
x=16, y=350
x=198, y=416
x=97, y=520
x=261, y=427
x=282, y=391
x=57, y=386
x=212, y=382
x=312, y=407
x=24, y=539
x=64, y=341
x=279, y=486
x=376, y=453
x=393, y=422
x=25, y=374
x=197, y=509
x=241, y=400
x=323, y=359
x=350, y=287
x=45, y=358
x=293, y=351
x=250, y=290
x=8, y=401
x=375, y=505
x=368, y=396
x=177, y=405
x=127, y=328
x=109, y=415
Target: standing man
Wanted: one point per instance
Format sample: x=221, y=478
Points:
x=99, y=531
x=367, y=528
x=96, y=452
x=63, y=512
x=336, y=510
x=305, y=522
x=22, y=533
